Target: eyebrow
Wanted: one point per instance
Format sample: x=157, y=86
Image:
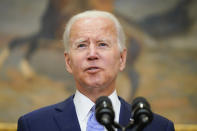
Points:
x=80, y=40
x=103, y=40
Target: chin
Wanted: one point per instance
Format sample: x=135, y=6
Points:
x=95, y=84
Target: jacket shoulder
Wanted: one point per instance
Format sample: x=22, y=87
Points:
x=48, y=110
x=160, y=123
x=43, y=118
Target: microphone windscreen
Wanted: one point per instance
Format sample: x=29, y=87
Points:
x=101, y=99
x=138, y=100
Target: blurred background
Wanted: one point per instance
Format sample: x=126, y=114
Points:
x=161, y=65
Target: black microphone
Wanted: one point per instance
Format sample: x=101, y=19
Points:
x=104, y=112
x=141, y=112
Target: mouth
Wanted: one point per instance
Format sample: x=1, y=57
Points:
x=92, y=70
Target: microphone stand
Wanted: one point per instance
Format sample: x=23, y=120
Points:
x=132, y=125
x=118, y=126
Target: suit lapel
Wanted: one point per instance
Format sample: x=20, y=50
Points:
x=125, y=112
x=66, y=117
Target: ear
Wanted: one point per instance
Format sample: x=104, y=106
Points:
x=68, y=62
x=123, y=58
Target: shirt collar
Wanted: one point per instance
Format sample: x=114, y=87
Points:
x=83, y=104
x=116, y=104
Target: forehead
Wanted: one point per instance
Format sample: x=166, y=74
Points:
x=93, y=25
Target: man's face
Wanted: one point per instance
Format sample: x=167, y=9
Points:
x=94, y=57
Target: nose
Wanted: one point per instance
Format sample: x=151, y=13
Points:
x=92, y=52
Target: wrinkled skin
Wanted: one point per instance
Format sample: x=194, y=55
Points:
x=94, y=58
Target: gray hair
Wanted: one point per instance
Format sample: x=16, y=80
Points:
x=95, y=13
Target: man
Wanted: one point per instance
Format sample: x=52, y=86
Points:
x=95, y=53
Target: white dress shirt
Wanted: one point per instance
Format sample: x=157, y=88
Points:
x=83, y=106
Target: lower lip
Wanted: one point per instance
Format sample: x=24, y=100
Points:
x=93, y=71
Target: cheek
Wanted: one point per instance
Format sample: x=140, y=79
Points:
x=76, y=62
x=112, y=61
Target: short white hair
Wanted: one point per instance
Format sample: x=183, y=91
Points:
x=95, y=13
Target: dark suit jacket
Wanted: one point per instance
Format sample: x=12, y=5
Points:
x=63, y=117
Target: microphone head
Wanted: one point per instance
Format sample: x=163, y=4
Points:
x=141, y=111
x=104, y=111
x=102, y=100
x=139, y=100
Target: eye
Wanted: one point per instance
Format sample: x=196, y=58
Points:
x=103, y=44
x=82, y=45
